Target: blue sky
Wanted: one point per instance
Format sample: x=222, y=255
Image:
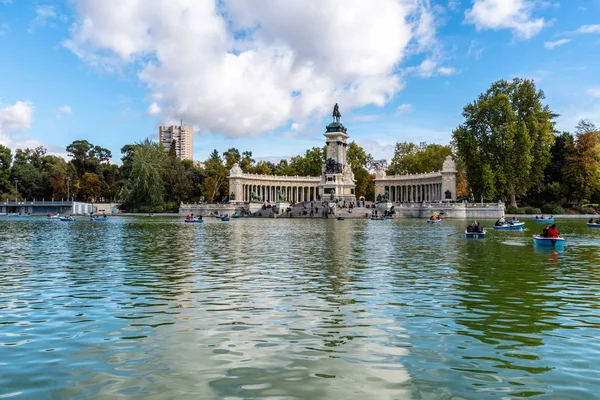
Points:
x=263, y=75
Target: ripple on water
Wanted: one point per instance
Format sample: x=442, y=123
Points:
x=294, y=309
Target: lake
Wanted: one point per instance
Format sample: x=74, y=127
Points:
x=295, y=309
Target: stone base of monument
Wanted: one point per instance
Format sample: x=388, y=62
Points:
x=281, y=207
x=383, y=206
x=254, y=207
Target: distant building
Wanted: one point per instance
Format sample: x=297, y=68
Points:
x=183, y=135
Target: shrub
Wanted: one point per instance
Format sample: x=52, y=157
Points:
x=514, y=210
x=532, y=211
x=553, y=208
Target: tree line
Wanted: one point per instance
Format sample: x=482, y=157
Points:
x=506, y=149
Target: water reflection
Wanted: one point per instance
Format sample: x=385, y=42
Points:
x=293, y=309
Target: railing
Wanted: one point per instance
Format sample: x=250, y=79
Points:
x=276, y=178
x=37, y=203
x=408, y=177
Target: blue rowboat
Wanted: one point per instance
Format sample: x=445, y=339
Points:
x=515, y=226
x=192, y=221
x=13, y=215
x=388, y=217
x=377, y=218
x=340, y=218
x=593, y=225
x=225, y=219
x=556, y=242
x=475, y=235
x=437, y=221
x=235, y=216
x=544, y=220
x=67, y=219
x=99, y=219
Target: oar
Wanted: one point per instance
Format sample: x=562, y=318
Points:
x=455, y=233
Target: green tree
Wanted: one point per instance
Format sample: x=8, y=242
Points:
x=215, y=186
x=87, y=157
x=582, y=162
x=410, y=158
x=144, y=188
x=359, y=161
x=310, y=164
x=505, y=140
x=5, y=162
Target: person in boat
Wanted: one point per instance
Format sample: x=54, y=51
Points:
x=552, y=231
x=499, y=222
x=439, y=217
x=591, y=221
x=199, y=217
x=514, y=219
x=545, y=231
x=502, y=220
x=432, y=218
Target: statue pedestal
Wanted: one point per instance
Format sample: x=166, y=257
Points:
x=383, y=206
x=281, y=207
x=254, y=207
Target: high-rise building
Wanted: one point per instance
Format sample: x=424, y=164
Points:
x=183, y=135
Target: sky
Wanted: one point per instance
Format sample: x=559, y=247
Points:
x=263, y=75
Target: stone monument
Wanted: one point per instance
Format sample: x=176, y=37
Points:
x=337, y=177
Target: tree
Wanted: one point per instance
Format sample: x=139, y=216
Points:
x=87, y=157
x=505, y=140
x=90, y=185
x=5, y=162
x=215, y=185
x=359, y=161
x=410, y=158
x=144, y=187
x=311, y=164
x=582, y=161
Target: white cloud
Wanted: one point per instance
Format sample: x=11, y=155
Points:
x=506, y=14
x=475, y=50
x=43, y=16
x=447, y=71
x=556, y=43
x=153, y=109
x=65, y=109
x=403, y=109
x=16, y=118
x=243, y=68
x=594, y=92
x=589, y=29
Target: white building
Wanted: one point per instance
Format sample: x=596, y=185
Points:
x=183, y=135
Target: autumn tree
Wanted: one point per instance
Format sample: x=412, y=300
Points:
x=582, y=162
x=90, y=185
x=505, y=139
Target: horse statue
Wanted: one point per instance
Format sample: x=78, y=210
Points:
x=336, y=113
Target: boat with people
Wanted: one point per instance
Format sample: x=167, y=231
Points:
x=479, y=234
x=192, y=221
x=225, y=218
x=431, y=221
x=544, y=220
x=593, y=225
x=555, y=242
x=377, y=218
x=55, y=217
x=340, y=218
x=67, y=219
x=98, y=219
x=510, y=226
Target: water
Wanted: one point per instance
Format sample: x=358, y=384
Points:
x=295, y=309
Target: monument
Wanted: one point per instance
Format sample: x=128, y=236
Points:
x=337, y=177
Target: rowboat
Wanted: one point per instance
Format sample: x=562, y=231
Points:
x=510, y=226
x=13, y=215
x=544, y=220
x=99, y=219
x=67, y=219
x=437, y=221
x=236, y=216
x=377, y=218
x=54, y=217
x=475, y=235
x=388, y=217
x=340, y=218
x=225, y=219
x=556, y=242
x=593, y=225
x=191, y=221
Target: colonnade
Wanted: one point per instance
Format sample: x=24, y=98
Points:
x=415, y=193
x=270, y=193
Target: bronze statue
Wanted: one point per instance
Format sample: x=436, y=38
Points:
x=336, y=113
